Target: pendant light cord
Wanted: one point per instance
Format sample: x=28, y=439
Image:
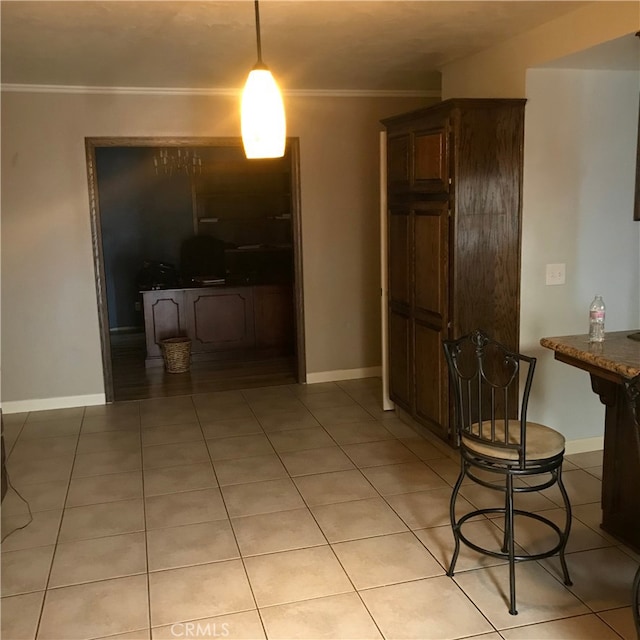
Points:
x=258, y=40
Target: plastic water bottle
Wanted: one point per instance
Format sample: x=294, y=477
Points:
x=596, y=320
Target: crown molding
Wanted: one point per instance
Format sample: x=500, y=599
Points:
x=364, y=93
x=179, y=91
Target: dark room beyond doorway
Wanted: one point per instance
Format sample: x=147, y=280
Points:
x=195, y=240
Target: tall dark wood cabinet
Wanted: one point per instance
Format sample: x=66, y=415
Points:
x=454, y=185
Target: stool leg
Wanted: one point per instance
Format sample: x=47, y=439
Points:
x=452, y=515
x=505, y=539
x=511, y=547
x=567, y=528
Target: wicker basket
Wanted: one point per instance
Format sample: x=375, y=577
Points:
x=177, y=354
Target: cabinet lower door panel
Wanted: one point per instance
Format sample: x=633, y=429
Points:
x=222, y=320
x=399, y=359
x=431, y=403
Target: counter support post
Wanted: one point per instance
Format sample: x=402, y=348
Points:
x=620, y=495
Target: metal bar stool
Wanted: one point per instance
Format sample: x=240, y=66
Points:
x=494, y=436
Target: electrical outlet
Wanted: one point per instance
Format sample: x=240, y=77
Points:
x=555, y=274
x=138, y=306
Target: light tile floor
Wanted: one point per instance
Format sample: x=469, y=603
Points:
x=283, y=512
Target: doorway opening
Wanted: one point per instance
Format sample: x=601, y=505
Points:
x=191, y=239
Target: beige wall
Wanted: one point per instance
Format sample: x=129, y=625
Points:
x=499, y=72
x=50, y=341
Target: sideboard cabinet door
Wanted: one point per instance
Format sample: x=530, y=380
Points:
x=164, y=317
x=273, y=309
x=220, y=320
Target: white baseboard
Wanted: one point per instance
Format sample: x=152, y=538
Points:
x=584, y=444
x=42, y=404
x=344, y=374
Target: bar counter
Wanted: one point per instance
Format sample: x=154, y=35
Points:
x=610, y=364
x=617, y=355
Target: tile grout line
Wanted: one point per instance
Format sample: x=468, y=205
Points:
x=87, y=539
x=144, y=522
x=62, y=517
x=410, y=530
x=329, y=543
x=240, y=557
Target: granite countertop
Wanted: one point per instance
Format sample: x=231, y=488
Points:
x=617, y=353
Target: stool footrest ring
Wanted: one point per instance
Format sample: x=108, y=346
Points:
x=501, y=554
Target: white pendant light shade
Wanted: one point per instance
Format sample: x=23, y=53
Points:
x=264, y=128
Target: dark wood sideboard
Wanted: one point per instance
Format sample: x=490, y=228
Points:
x=222, y=322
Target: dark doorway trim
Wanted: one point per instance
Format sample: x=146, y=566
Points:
x=91, y=144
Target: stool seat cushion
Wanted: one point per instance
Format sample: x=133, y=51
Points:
x=542, y=442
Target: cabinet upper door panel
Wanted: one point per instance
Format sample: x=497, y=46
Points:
x=398, y=165
x=418, y=162
x=431, y=161
x=431, y=263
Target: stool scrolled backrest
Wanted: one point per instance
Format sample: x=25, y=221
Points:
x=485, y=376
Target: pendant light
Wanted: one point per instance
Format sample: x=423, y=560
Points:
x=264, y=128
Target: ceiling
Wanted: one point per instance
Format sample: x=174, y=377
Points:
x=383, y=45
